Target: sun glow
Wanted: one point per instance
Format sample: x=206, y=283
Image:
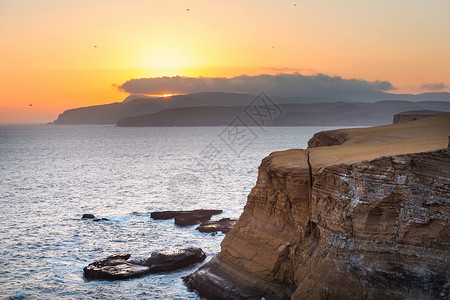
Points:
x=167, y=95
x=168, y=57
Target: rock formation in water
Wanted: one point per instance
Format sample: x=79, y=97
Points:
x=88, y=216
x=223, y=225
x=119, y=267
x=360, y=214
x=186, y=217
x=93, y=218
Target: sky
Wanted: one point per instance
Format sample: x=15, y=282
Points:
x=62, y=54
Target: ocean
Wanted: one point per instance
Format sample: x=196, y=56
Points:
x=50, y=175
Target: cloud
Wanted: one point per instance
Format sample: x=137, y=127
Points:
x=288, y=85
x=434, y=86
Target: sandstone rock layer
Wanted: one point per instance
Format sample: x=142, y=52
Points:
x=360, y=217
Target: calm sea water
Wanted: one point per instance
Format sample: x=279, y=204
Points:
x=51, y=175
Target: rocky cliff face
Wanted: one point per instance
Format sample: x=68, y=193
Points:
x=354, y=220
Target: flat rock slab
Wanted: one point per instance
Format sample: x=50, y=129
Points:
x=165, y=261
x=115, y=267
x=118, y=267
x=191, y=219
x=186, y=217
x=224, y=225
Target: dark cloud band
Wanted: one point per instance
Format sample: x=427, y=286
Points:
x=288, y=85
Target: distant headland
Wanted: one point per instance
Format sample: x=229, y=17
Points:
x=219, y=109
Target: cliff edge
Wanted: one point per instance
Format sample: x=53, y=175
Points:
x=361, y=214
x=408, y=116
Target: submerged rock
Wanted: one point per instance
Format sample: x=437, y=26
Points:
x=102, y=219
x=186, y=217
x=118, y=267
x=224, y=225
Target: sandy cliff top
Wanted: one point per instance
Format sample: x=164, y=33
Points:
x=362, y=144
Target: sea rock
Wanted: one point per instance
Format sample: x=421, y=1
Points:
x=88, y=216
x=186, y=217
x=170, y=214
x=191, y=219
x=165, y=215
x=115, y=267
x=170, y=260
x=118, y=267
x=224, y=225
x=367, y=219
x=91, y=216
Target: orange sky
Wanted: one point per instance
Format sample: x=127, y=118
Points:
x=61, y=54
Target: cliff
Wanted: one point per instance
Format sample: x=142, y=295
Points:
x=408, y=116
x=361, y=214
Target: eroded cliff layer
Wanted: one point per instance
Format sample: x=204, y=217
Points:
x=365, y=216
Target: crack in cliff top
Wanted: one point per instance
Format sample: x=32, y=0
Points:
x=310, y=169
x=310, y=181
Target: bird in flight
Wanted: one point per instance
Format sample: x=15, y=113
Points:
x=188, y=9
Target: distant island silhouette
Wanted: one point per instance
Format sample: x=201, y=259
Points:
x=219, y=109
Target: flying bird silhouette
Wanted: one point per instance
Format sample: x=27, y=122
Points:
x=188, y=9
